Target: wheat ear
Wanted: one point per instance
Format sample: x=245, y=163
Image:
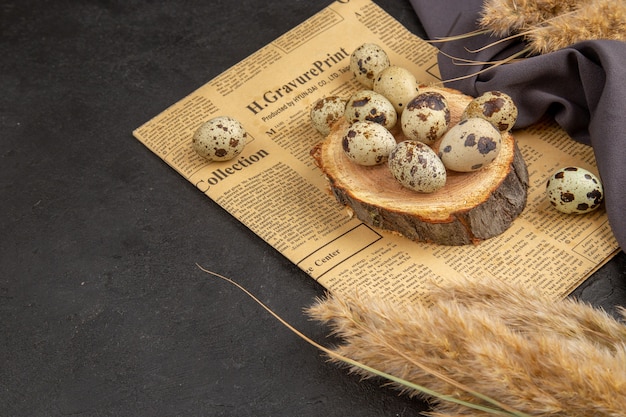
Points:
x=531, y=311
x=595, y=20
x=551, y=25
x=500, y=340
x=499, y=409
x=506, y=17
x=544, y=25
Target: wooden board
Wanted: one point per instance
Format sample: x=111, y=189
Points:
x=471, y=206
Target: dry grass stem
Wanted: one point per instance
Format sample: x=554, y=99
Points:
x=500, y=409
x=505, y=17
x=544, y=25
x=549, y=25
x=490, y=65
x=516, y=346
x=604, y=19
x=482, y=347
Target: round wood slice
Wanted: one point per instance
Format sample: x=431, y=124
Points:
x=471, y=206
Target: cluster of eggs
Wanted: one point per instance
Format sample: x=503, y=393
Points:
x=392, y=94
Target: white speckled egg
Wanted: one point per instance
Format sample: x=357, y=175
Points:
x=367, y=143
x=371, y=106
x=219, y=139
x=470, y=145
x=417, y=167
x=327, y=111
x=574, y=190
x=426, y=117
x=366, y=62
x=494, y=106
x=398, y=84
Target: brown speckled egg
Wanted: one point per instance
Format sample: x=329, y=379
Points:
x=371, y=106
x=494, y=106
x=470, y=145
x=219, y=139
x=426, y=117
x=366, y=62
x=367, y=143
x=327, y=111
x=574, y=190
x=417, y=167
x=398, y=84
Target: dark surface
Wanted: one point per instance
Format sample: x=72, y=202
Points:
x=103, y=311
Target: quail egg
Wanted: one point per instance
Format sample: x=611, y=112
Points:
x=494, y=106
x=417, y=167
x=372, y=106
x=426, y=117
x=219, y=139
x=398, y=84
x=470, y=145
x=366, y=62
x=367, y=143
x=325, y=112
x=574, y=190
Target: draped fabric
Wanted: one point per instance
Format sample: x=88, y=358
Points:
x=582, y=86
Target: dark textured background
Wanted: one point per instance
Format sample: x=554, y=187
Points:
x=102, y=309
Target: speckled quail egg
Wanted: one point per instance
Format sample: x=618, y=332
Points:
x=398, y=84
x=219, y=139
x=327, y=111
x=417, y=167
x=470, y=145
x=367, y=143
x=366, y=62
x=574, y=190
x=372, y=106
x=494, y=106
x=426, y=117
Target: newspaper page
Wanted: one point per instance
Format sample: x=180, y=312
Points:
x=276, y=190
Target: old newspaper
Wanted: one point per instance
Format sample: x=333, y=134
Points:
x=276, y=190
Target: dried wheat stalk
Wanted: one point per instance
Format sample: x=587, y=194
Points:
x=505, y=17
x=550, y=25
x=544, y=25
x=482, y=347
x=494, y=408
x=532, y=354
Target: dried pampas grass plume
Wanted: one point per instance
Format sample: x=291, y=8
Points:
x=531, y=354
x=550, y=25
x=595, y=20
x=495, y=408
x=544, y=25
x=481, y=347
x=506, y=17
